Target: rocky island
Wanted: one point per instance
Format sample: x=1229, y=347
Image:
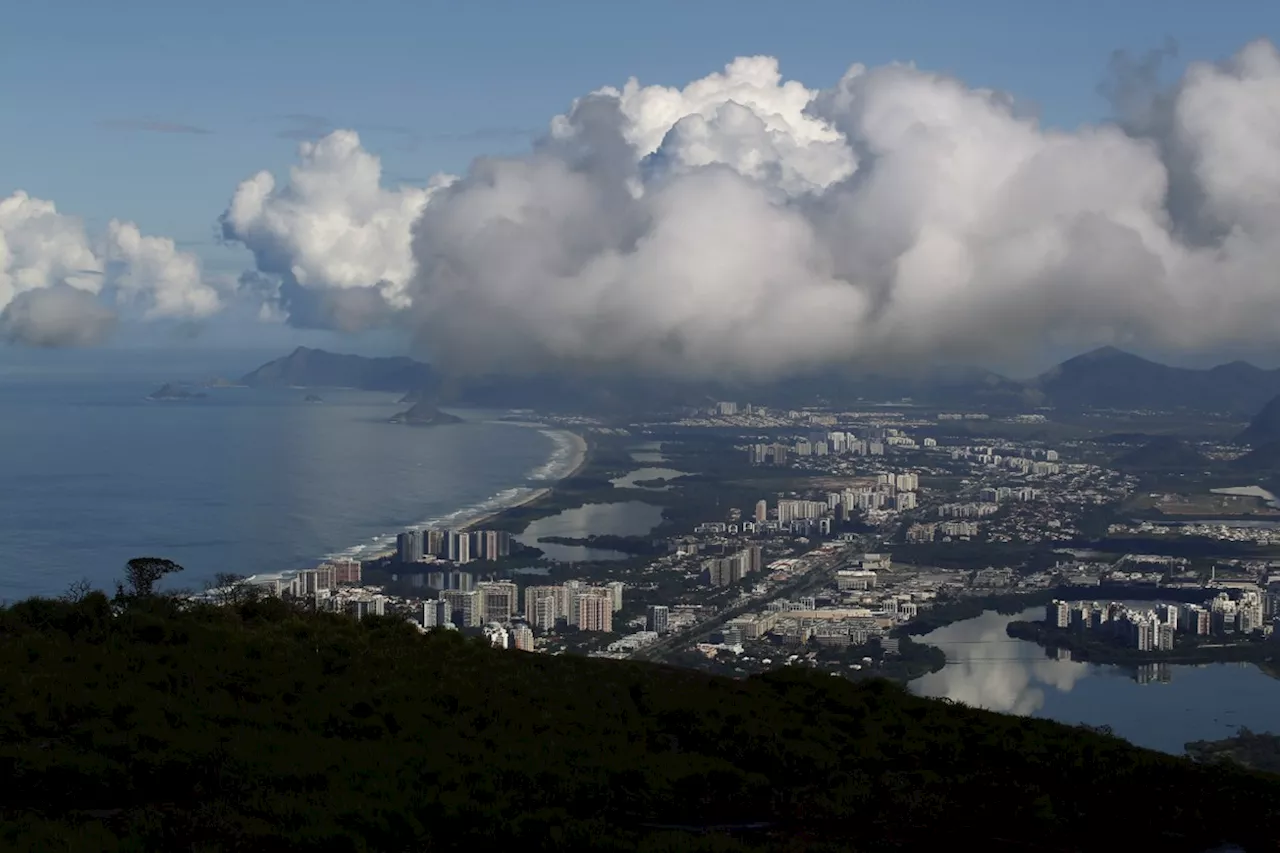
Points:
x=169, y=391
x=313, y=398
x=423, y=414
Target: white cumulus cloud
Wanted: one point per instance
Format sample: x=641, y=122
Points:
x=749, y=225
x=332, y=226
x=58, y=284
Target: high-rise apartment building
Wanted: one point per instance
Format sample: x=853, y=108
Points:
x=522, y=638
x=457, y=546
x=762, y=510
x=657, y=619
x=615, y=593
x=545, y=613
x=344, y=570
x=498, y=600
x=490, y=544
x=409, y=546
x=465, y=608
x=375, y=606
x=1058, y=614
x=435, y=613
x=595, y=612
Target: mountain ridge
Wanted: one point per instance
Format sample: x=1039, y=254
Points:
x=1103, y=378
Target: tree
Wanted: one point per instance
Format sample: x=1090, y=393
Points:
x=230, y=588
x=141, y=574
x=77, y=591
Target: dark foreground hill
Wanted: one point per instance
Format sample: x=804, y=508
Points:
x=260, y=728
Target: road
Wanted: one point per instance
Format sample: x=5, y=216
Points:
x=816, y=577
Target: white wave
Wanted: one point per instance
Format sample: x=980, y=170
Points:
x=563, y=457
x=386, y=542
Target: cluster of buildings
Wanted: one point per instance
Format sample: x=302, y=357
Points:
x=943, y=531
x=832, y=444
x=301, y=583
x=1154, y=628
x=723, y=571
x=508, y=618
x=854, y=606
x=1225, y=531
x=574, y=604
x=1038, y=462
x=456, y=546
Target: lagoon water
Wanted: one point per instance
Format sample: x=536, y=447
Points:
x=622, y=518
x=92, y=474
x=1161, y=707
x=632, y=479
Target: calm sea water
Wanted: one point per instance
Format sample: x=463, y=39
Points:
x=246, y=480
x=1161, y=708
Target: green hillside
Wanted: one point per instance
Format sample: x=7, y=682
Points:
x=258, y=727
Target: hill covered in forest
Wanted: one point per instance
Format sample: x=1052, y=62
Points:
x=143, y=723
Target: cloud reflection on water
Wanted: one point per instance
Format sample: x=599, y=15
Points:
x=988, y=669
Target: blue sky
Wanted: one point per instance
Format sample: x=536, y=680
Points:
x=430, y=85
x=154, y=111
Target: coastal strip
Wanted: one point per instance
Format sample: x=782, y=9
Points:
x=579, y=461
x=567, y=460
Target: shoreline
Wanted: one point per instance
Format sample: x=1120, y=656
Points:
x=581, y=454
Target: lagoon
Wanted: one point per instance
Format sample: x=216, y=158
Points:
x=623, y=518
x=1160, y=706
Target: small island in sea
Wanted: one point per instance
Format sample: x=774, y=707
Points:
x=423, y=414
x=170, y=391
x=313, y=398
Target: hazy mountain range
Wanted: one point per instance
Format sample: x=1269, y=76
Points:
x=1105, y=378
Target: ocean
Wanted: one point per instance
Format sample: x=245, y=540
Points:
x=245, y=481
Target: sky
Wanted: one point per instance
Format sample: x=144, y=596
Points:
x=154, y=112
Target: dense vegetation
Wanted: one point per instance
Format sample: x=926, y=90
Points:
x=1261, y=751
x=139, y=723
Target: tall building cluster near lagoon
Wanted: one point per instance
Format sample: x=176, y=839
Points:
x=1154, y=628
x=456, y=546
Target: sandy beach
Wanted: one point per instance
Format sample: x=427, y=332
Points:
x=579, y=460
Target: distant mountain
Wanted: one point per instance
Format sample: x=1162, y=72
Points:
x=1109, y=378
x=1265, y=426
x=1105, y=378
x=421, y=414
x=1162, y=453
x=315, y=368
